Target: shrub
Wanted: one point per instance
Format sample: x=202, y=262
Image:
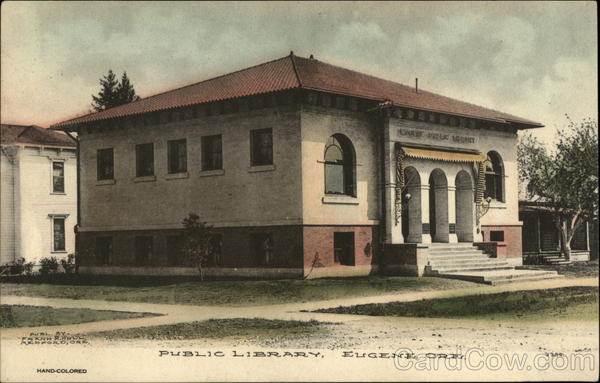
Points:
x=68, y=264
x=27, y=268
x=17, y=267
x=48, y=265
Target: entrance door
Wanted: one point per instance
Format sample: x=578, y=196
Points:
x=343, y=248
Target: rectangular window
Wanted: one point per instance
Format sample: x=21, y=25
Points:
x=58, y=229
x=58, y=177
x=261, y=147
x=212, y=153
x=262, y=246
x=103, y=251
x=343, y=248
x=177, y=153
x=144, y=160
x=105, y=164
x=497, y=236
x=175, y=250
x=143, y=250
x=216, y=243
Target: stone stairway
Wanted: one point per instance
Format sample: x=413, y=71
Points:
x=555, y=259
x=464, y=261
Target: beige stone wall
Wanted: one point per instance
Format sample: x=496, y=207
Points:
x=318, y=124
x=238, y=196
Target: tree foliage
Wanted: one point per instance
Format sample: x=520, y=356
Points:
x=198, y=244
x=113, y=92
x=565, y=179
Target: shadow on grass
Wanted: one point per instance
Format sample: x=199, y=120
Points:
x=219, y=328
x=574, y=302
x=12, y=316
x=184, y=291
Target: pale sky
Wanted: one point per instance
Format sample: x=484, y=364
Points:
x=537, y=60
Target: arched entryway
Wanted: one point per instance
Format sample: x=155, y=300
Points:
x=464, y=206
x=438, y=206
x=411, y=207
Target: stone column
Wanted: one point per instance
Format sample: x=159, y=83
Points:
x=426, y=229
x=415, y=228
x=452, y=237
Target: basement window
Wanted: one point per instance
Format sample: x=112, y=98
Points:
x=497, y=236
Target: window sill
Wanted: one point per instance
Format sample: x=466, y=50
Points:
x=209, y=173
x=339, y=200
x=58, y=252
x=497, y=205
x=176, y=176
x=145, y=179
x=262, y=168
x=105, y=182
x=58, y=193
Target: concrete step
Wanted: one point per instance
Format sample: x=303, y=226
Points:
x=502, y=276
x=465, y=259
x=457, y=269
x=443, y=250
x=469, y=267
x=460, y=262
x=459, y=256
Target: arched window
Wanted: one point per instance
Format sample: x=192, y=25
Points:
x=339, y=166
x=494, y=177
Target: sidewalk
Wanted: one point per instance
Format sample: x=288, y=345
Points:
x=186, y=313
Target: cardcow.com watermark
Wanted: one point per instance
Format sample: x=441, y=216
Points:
x=475, y=359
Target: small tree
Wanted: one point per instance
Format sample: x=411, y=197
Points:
x=566, y=180
x=197, y=244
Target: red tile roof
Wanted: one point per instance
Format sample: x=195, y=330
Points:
x=33, y=135
x=297, y=72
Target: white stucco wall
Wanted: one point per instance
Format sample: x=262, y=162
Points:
x=29, y=222
x=8, y=173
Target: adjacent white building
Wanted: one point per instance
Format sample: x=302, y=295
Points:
x=38, y=193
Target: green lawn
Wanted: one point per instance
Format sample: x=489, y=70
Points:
x=219, y=328
x=567, y=303
x=233, y=293
x=33, y=316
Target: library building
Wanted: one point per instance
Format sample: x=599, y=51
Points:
x=303, y=169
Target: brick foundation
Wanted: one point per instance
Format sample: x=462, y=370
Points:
x=236, y=247
x=319, y=242
x=511, y=246
x=294, y=249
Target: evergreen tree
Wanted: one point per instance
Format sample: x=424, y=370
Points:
x=108, y=96
x=113, y=92
x=125, y=91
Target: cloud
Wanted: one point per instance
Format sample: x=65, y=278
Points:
x=530, y=59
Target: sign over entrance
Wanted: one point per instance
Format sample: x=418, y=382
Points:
x=436, y=136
